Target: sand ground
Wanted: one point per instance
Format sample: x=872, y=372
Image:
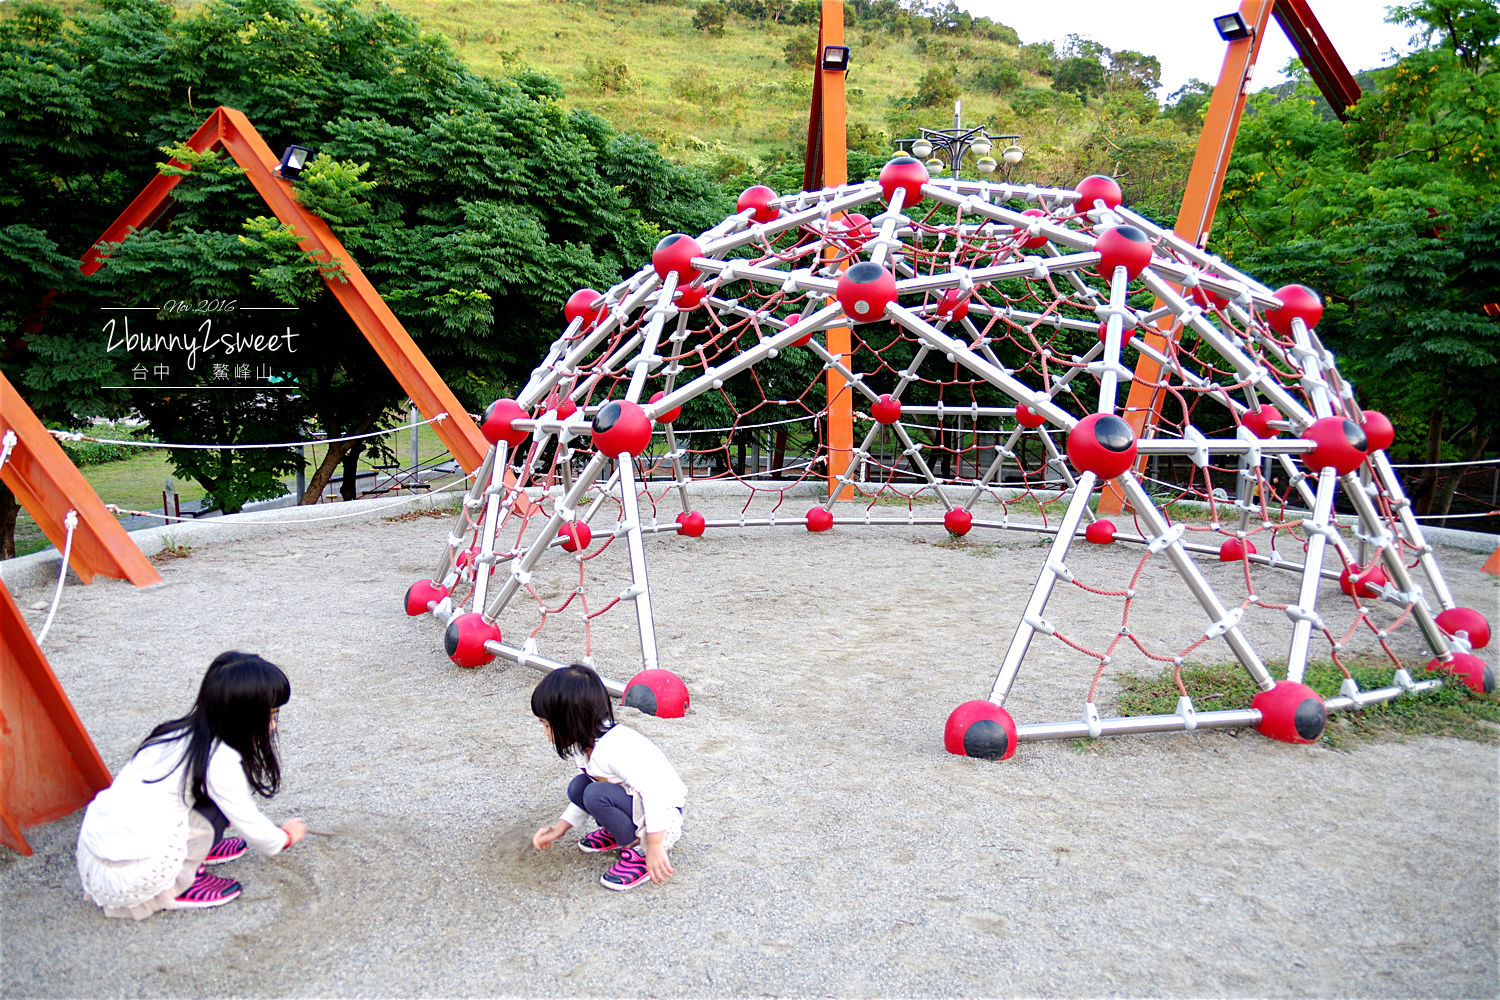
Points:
x=832, y=847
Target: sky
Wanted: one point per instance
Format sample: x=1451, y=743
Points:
x=1181, y=34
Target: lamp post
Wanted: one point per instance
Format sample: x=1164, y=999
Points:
x=956, y=141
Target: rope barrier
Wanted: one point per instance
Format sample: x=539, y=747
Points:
x=75, y=436
x=70, y=521
x=6, y=445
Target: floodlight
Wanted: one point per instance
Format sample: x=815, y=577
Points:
x=836, y=57
x=293, y=160
x=1231, y=27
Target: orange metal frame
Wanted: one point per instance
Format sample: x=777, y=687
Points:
x=1211, y=164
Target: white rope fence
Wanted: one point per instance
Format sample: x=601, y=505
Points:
x=70, y=521
x=77, y=436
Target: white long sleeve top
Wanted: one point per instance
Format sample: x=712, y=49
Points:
x=657, y=793
x=138, y=817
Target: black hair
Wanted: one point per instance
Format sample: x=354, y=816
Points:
x=573, y=701
x=235, y=701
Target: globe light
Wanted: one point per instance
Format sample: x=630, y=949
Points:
x=986, y=165
x=935, y=166
x=921, y=149
x=981, y=147
x=1012, y=154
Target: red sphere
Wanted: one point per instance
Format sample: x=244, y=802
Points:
x=587, y=305
x=1123, y=246
x=690, y=297
x=1259, y=421
x=1100, y=532
x=467, y=558
x=1027, y=241
x=496, y=426
x=621, y=426
x=670, y=415
x=1127, y=327
x=953, y=305
x=1206, y=297
x=803, y=340
x=856, y=231
x=1235, y=550
x=1340, y=443
x=1474, y=672
x=1378, y=430
x=657, y=692
x=422, y=594
x=575, y=536
x=906, y=173
x=1366, y=584
x=691, y=523
x=1027, y=418
x=1290, y=712
x=674, y=255
x=759, y=200
x=980, y=729
x=1297, y=302
x=465, y=638
x=1103, y=444
x=864, y=290
x=566, y=409
x=958, y=521
x=819, y=519
x=886, y=409
x=1456, y=620
x=1095, y=188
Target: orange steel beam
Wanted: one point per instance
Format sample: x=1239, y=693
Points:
x=1211, y=164
x=48, y=485
x=828, y=166
x=230, y=130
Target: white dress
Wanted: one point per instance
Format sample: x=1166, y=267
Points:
x=141, y=841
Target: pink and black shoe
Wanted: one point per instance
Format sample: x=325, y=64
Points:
x=627, y=873
x=225, y=850
x=598, y=841
x=207, y=890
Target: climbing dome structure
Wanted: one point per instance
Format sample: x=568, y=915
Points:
x=957, y=354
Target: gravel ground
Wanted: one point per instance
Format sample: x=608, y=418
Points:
x=832, y=847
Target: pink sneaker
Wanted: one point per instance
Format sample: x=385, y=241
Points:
x=207, y=890
x=599, y=840
x=627, y=873
x=225, y=850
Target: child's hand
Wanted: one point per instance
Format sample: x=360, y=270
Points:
x=656, y=859
x=295, y=829
x=545, y=837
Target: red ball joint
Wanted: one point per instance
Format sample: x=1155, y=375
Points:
x=1096, y=188
x=1259, y=420
x=575, y=536
x=1378, y=430
x=1205, y=297
x=496, y=426
x=1470, y=669
x=690, y=297
x=1028, y=418
x=468, y=558
x=1100, y=532
x=886, y=409
x=1364, y=584
x=1103, y=444
x=691, y=524
x=1235, y=550
x=864, y=291
x=669, y=415
x=657, y=692
x=953, y=305
x=1456, y=620
x=958, y=521
x=587, y=305
x=906, y=173
x=621, y=427
x=1290, y=712
x=566, y=408
x=674, y=255
x=421, y=595
x=819, y=519
x=856, y=231
x=803, y=340
x=1023, y=232
x=465, y=638
x=1297, y=302
x=1340, y=443
x=980, y=729
x=759, y=200
x=1123, y=246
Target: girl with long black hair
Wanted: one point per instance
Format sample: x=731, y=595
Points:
x=146, y=838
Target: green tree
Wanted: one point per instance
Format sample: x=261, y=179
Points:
x=709, y=18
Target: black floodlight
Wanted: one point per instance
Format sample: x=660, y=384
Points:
x=836, y=57
x=293, y=160
x=1231, y=27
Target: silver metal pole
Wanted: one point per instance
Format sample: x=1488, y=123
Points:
x=640, y=588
